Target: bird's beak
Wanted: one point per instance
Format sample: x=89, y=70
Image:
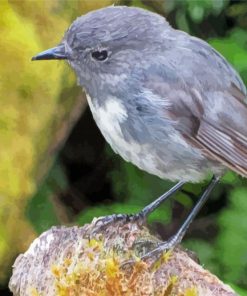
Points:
x=55, y=53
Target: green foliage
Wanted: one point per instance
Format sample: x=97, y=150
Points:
x=206, y=252
x=197, y=9
x=241, y=292
x=41, y=209
x=27, y=105
x=230, y=245
x=234, y=49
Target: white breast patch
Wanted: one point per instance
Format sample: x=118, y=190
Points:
x=108, y=118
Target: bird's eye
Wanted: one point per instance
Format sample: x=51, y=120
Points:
x=100, y=55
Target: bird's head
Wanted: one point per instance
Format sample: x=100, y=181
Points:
x=104, y=45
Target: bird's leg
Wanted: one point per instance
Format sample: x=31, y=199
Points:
x=143, y=214
x=177, y=238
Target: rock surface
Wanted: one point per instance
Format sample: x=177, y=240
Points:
x=95, y=260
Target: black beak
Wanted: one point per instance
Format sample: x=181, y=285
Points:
x=55, y=53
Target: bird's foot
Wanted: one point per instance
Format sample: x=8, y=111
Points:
x=103, y=222
x=157, y=253
x=168, y=245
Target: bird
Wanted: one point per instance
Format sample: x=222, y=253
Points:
x=164, y=100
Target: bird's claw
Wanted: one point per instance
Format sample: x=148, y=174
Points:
x=161, y=248
x=154, y=254
x=106, y=221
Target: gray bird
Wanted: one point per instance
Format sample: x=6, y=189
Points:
x=164, y=100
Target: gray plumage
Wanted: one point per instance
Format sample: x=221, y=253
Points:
x=164, y=100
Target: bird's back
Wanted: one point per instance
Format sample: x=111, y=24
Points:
x=208, y=100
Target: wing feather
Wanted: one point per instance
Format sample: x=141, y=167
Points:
x=222, y=146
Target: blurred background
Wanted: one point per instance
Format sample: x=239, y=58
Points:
x=56, y=168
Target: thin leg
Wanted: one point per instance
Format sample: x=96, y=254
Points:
x=177, y=238
x=155, y=204
x=143, y=214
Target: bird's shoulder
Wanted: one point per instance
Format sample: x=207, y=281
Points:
x=195, y=61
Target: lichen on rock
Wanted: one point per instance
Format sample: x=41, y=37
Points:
x=93, y=260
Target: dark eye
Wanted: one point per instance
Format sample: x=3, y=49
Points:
x=100, y=55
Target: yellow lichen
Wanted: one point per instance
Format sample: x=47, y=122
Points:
x=93, y=243
x=55, y=270
x=34, y=292
x=111, y=267
x=191, y=292
x=105, y=276
x=163, y=259
x=169, y=289
x=173, y=279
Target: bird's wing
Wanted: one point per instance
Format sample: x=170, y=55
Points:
x=224, y=137
x=207, y=102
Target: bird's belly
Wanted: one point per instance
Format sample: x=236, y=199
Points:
x=170, y=158
x=161, y=162
x=109, y=118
